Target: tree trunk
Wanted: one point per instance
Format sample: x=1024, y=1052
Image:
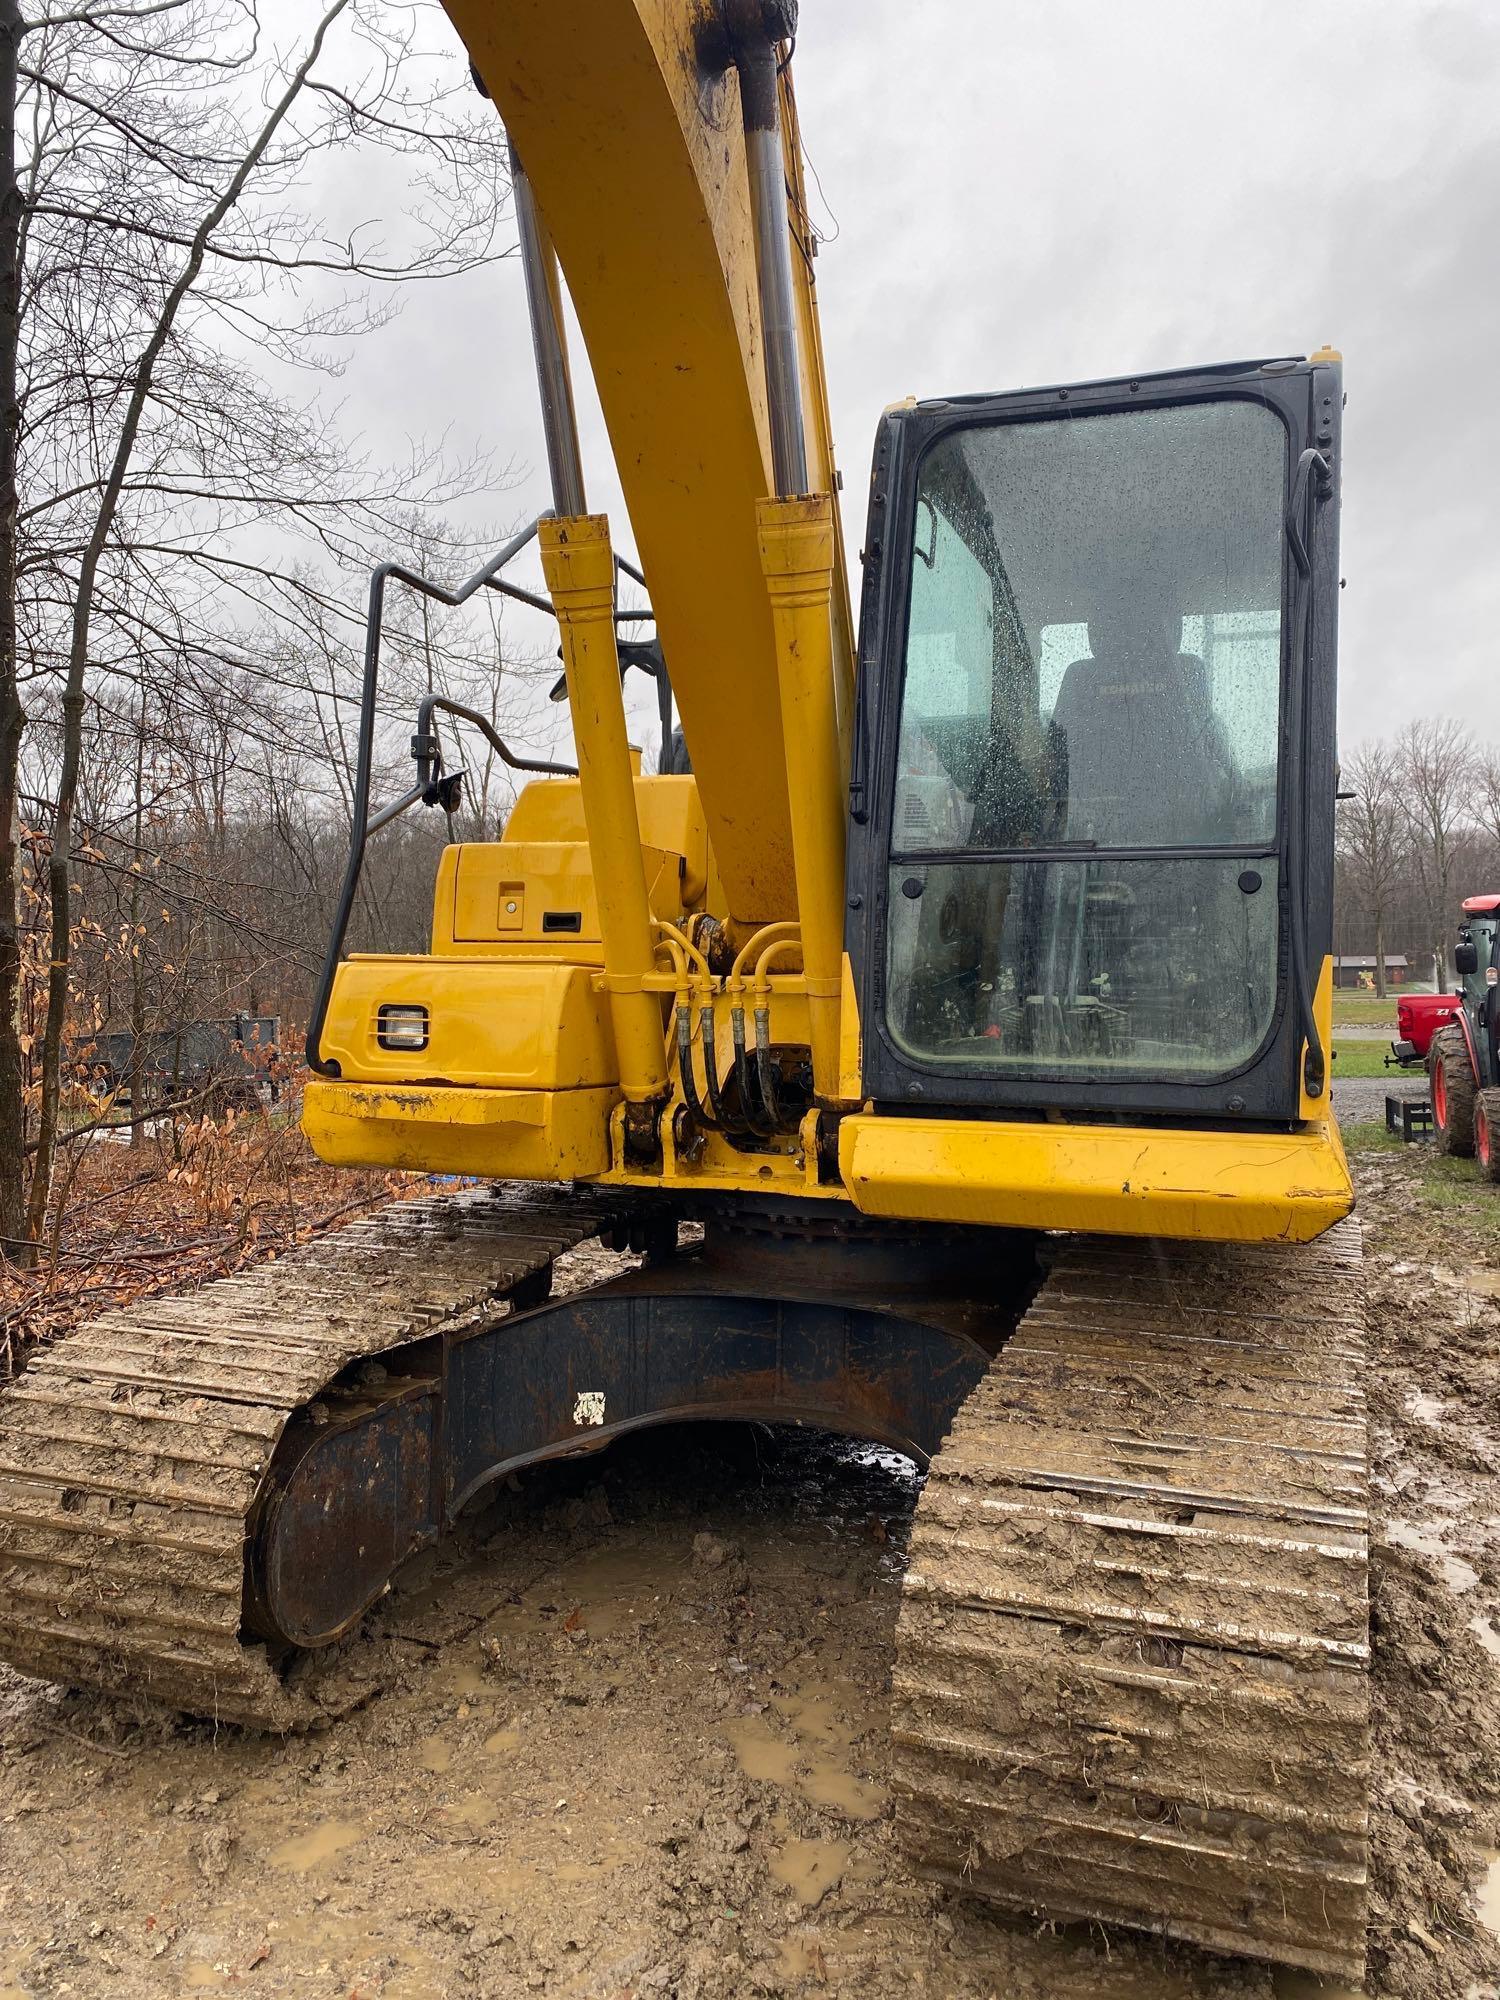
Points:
x=137, y=949
x=12, y=1100
x=1380, y=954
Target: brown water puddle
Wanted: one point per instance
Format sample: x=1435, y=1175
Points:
x=801, y=1957
x=810, y=1868
x=476, y=1812
x=512, y=1884
x=310, y=1849
x=463, y=1678
x=814, y=1761
x=1457, y=1574
x=763, y=1755
x=1487, y=1896
x=435, y=1755
x=600, y=1592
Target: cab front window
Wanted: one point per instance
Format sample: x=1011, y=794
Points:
x=1083, y=834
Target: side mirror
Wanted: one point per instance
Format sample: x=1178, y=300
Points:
x=1465, y=959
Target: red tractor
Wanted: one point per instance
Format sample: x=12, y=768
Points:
x=1463, y=1063
x=1418, y=1018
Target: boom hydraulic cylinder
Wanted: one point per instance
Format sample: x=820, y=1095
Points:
x=579, y=567
x=796, y=551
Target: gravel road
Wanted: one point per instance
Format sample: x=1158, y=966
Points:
x=1360, y=1100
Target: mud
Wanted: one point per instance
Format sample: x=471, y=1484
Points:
x=631, y=1742
x=1435, y=1585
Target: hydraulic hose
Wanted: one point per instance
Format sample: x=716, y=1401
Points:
x=765, y=1068
x=718, y=1114
x=749, y=1088
x=692, y=1103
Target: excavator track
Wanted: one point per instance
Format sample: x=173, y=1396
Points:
x=134, y=1453
x=1131, y=1681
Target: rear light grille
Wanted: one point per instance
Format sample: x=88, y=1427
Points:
x=401, y=1027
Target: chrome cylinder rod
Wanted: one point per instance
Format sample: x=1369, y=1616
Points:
x=755, y=59
x=549, y=344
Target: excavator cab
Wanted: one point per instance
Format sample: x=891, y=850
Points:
x=1096, y=748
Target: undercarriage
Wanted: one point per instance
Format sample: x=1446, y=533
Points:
x=1130, y=1679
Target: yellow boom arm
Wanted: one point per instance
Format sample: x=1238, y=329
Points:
x=635, y=152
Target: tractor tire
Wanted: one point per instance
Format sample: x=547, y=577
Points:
x=1454, y=1088
x=1487, y=1133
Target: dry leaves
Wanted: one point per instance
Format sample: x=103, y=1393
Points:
x=175, y=1213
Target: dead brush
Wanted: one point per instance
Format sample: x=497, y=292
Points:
x=206, y=1197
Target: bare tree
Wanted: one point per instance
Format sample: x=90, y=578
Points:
x=1436, y=759
x=73, y=699
x=1373, y=840
x=1487, y=793
x=155, y=247
x=12, y=1124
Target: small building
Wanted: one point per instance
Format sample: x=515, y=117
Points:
x=1359, y=969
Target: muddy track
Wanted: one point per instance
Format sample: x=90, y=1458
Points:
x=1131, y=1680
x=134, y=1453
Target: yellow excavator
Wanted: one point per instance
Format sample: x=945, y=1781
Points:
x=965, y=982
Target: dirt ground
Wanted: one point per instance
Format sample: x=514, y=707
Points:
x=631, y=1738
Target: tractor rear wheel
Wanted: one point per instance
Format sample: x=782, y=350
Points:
x=1450, y=1075
x=1487, y=1133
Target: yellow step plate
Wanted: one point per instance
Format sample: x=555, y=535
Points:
x=1243, y=1187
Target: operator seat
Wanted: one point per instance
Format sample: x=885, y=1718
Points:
x=1139, y=757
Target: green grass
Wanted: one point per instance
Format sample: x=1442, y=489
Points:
x=1371, y=1137
x=1453, y=1198
x=1451, y=1213
x=1363, y=1010
x=1363, y=1059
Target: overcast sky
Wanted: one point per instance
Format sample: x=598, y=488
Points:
x=1047, y=190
